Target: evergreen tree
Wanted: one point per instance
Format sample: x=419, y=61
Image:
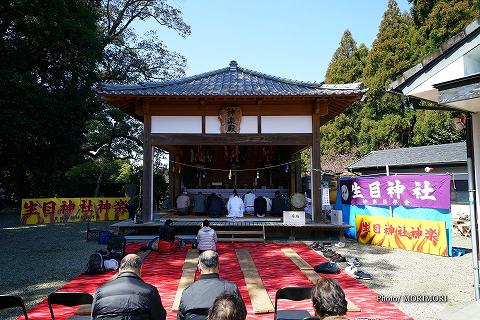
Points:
x=439, y=20
x=49, y=50
x=348, y=62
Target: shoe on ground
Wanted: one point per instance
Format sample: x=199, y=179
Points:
x=351, y=270
x=339, y=244
x=362, y=275
x=354, y=262
x=339, y=258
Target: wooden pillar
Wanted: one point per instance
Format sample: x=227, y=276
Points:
x=316, y=175
x=147, y=184
x=171, y=180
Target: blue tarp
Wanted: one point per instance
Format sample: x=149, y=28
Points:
x=350, y=213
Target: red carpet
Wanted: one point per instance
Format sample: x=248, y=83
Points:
x=275, y=269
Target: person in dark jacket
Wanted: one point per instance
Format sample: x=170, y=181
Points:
x=214, y=205
x=128, y=296
x=199, y=297
x=260, y=206
x=278, y=205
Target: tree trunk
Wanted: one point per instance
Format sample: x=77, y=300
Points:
x=97, y=187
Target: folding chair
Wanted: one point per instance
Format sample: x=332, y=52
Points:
x=294, y=294
x=69, y=299
x=7, y=302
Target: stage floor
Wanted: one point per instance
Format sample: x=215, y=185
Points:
x=275, y=269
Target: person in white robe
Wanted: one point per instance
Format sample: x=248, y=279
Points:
x=235, y=207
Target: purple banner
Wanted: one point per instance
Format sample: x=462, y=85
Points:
x=419, y=191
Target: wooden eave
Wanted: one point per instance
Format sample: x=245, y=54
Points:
x=329, y=105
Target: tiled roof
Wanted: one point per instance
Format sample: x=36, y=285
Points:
x=416, y=156
x=232, y=81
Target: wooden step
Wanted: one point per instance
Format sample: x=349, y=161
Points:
x=240, y=240
x=239, y=232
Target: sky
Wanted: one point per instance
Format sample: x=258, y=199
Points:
x=293, y=39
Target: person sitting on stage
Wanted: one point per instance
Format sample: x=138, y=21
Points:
x=260, y=206
x=235, y=206
x=206, y=238
x=165, y=243
x=278, y=205
x=128, y=296
x=214, y=205
x=199, y=297
x=269, y=204
x=183, y=203
x=199, y=203
x=227, y=307
x=248, y=200
x=329, y=300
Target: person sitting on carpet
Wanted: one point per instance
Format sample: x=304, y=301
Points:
x=206, y=238
x=199, y=297
x=227, y=307
x=235, y=206
x=329, y=300
x=128, y=296
x=165, y=243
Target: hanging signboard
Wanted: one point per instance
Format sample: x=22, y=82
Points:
x=60, y=210
x=420, y=191
x=425, y=236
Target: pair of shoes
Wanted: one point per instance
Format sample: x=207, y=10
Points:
x=328, y=253
x=351, y=270
x=354, y=262
x=339, y=244
x=338, y=258
x=362, y=275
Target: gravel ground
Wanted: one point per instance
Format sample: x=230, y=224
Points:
x=37, y=260
x=398, y=272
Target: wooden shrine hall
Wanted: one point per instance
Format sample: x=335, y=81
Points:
x=232, y=128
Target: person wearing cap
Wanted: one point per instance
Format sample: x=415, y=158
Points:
x=183, y=203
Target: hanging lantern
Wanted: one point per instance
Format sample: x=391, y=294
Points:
x=286, y=167
x=258, y=174
x=230, y=175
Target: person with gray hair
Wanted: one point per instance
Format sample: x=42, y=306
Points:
x=199, y=297
x=128, y=296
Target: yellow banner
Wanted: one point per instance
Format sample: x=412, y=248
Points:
x=425, y=236
x=60, y=210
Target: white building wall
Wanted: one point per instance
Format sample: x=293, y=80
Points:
x=176, y=124
x=286, y=124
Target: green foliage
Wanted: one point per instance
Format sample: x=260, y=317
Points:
x=437, y=21
x=129, y=57
x=383, y=121
x=48, y=53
